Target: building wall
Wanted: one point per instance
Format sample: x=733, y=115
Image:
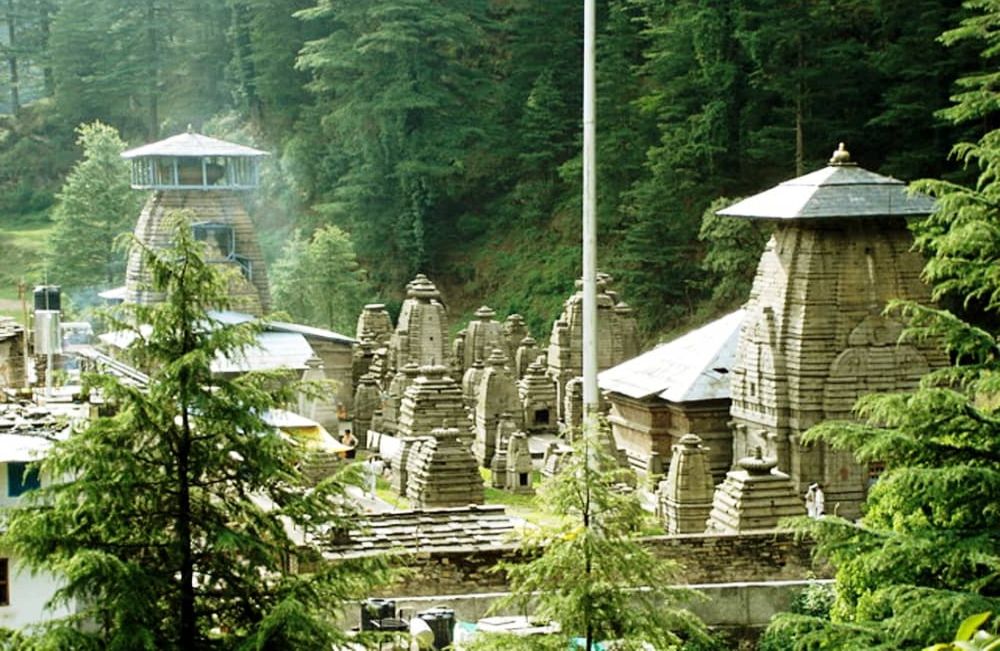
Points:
x=28, y=595
x=643, y=428
x=763, y=556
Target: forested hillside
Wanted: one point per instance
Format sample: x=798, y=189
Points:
x=442, y=136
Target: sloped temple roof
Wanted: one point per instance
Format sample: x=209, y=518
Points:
x=192, y=144
x=842, y=189
x=690, y=368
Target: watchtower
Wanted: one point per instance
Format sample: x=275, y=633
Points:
x=814, y=338
x=207, y=176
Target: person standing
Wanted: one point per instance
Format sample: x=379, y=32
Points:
x=351, y=442
x=374, y=467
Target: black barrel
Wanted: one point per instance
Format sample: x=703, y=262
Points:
x=47, y=297
x=375, y=610
x=442, y=622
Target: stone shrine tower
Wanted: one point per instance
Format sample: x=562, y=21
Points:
x=814, y=338
x=421, y=335
x=617, y=338
x=205, y=175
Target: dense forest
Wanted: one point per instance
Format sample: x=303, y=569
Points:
x=443, y=137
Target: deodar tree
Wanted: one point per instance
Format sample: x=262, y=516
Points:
x=590, y=572
x=176, y=522
x=96, y=205
x=926, y=554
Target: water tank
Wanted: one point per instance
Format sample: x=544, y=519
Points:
x=48, y=335
x=47, y=297
x=374, y=610
x=442, y=622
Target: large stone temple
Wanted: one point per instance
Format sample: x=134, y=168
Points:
x=207, y=176
x=815, y=337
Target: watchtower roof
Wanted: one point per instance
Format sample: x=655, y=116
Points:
x=192, y=144
x=839, y=190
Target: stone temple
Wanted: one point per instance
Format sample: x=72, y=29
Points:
x=207, y=176
x=814, y=338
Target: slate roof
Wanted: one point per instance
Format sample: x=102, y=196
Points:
x=690, y=368
x=448, y=529
x=192, y=144
x=843, y=190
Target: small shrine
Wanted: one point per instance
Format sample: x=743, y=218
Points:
x=514, y=332
x=482, y=335
x=539, y=405
x=685, y=496
x=442, y=471
x=375, y=324
x=617, y=338
x=421, y=335
x=755, y=496
x=497, y=395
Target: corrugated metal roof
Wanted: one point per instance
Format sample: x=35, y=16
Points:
x=233, y=317
x=692, y=367
x=273, y=351
x=23, y=447
x=192, y=144
x=834, y=191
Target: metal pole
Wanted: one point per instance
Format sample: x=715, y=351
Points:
x=590, y=403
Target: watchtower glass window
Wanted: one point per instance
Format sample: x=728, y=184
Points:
x=191, y=161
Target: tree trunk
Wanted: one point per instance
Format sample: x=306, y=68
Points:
x=154, y=72
x=188, y=624
x=15, y=99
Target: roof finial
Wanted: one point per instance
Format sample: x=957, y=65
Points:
x=841, y=156
x=190, y=128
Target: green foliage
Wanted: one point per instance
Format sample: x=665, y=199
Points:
x=590, y=572
x=926, y=554
x=970, y=636
x=96, y=205
x=732, y=249
x=319, y=281
x=169, y=521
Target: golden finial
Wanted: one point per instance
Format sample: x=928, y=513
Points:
x=841, y=156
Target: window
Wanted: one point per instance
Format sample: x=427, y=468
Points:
x=4, y=583
x=20, y=478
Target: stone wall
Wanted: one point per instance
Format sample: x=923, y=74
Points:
x=764, y=556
